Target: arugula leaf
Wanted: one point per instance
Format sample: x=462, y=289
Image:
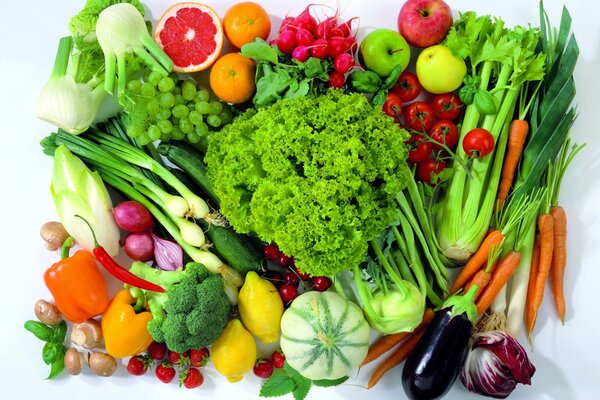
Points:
x=277, y=384
x=330, y=382
x=364, y=81
x=259, y=50
x=41, y=331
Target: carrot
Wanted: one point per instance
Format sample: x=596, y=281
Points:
x=546, y=230
x=386, y=342
x=506, y=267
x=519, y=129
x=399, y=355
x=481, y=279
x=535, y=264
x=477, y=260
x=559, y=260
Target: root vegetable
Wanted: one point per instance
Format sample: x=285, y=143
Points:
x=47, y=313
x=102, y=364
x=87, y=334
x=54, y=235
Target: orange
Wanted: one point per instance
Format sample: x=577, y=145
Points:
x=232, y=78
x=244, y=22
x=191, y=35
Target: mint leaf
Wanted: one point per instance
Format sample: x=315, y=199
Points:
x=59, y=332
x=330, y=382
x=485, y=103
x=302, y=388
x=41, y=331
x=277, y=384
x=259, y=50
x=364, y=81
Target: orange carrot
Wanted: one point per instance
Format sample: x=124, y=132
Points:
x=533, y=271
x=519, y=129
x=506, y=267
x=477, y=260
x=481, y=279
x=386, y=342
x=546, y=230
x=399, y=355
x=559, y=259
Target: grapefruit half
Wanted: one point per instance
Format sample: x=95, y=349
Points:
x=191, y=35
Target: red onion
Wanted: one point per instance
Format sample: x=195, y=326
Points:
x=495, y=364
x=132, y=216
x=167, y=254
x=139, y=246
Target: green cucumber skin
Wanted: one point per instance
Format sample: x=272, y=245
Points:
x=189, y=160
x=236, y=249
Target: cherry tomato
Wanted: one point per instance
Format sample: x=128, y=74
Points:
x=408, y=87
x=446, y=106
x=420, y=149
x=418, y=116
x=478, y=142
x=393, y=106
x=445, y=132
x=428, y=167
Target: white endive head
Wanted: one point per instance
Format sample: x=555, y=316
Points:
x=69, y=105
x=78, y=191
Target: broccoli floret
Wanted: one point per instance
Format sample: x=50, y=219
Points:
x=193, y=310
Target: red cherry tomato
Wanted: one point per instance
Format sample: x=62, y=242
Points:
x=427, y=167
x=418, y=116
x=420, y=149
x=393, y=106
x=446, y=106
x=478, y=143
x=408, y=87
x=445, y=132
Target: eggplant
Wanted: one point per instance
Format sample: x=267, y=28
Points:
x=435, y=362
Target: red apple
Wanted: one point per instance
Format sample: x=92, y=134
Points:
x=424, y=23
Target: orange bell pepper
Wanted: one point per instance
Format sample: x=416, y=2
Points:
x=77, y=285
x=124, y=327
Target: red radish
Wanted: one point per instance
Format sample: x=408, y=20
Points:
x=351, y=43
x=319, y=48
x=337, y=45
x=305, y=20
x=336, y=32
x=286, y=24
x=132, y=216
x=139, y=246
x=286, y=41
x=343, y=62
x=323, y=29
x=304, y=37
x=336, y=80
x=300, y=53
x=346, y=27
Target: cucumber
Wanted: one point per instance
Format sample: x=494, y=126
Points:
x=236, y=249
x=189, y=159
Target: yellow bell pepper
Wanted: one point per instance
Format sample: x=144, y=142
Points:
x=124, y=330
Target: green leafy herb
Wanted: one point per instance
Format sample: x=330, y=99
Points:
x=364, y=81
x=330, y=382
x=54, y=350
x=259, y=50
x=392, y=78
x=485, y=102
x=41, y=331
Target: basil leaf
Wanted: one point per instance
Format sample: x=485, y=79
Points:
x=51, y=352
x=56, y=367
x=364, y=81
x=391, y=80
x=60, y=332
x=379, y=97
x=41, y=331
x=330, y=382
x=485, y=103
x=277, y=384
x=259, y=50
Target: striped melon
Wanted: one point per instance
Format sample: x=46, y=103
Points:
x=323, y=335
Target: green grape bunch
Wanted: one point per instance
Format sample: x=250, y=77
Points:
x=164, y=108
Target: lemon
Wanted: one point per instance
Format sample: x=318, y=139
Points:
x=234, y=351
x=260, y=307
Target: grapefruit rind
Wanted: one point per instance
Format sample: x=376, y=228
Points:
x=190, y=55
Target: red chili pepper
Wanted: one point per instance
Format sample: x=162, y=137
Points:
x=117, y=270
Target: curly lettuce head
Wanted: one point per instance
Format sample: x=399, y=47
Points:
x=318, y=176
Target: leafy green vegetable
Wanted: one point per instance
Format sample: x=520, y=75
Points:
x=317, y=176
x=280, y=77
x=366, y=81
x=54, y=350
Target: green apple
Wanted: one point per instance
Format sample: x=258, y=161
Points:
x=382, y=50
x=440, y=71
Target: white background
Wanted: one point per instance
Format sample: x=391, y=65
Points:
x=566, y=356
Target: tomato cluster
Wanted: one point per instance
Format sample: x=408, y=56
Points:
x=431, y=124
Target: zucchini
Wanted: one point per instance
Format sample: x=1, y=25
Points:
x=189, y=160
x=236, y=249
